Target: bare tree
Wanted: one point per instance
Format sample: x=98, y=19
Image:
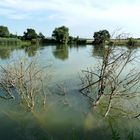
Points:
x=110, y=79
x=24, y=81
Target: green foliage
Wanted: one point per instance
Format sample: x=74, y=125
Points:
x=41, y=36
x=77, y=40
x=13, y=36
x=75, y=135
x=10, y=41
x=35, y=41
x=130, y=136
x=101, y=36
x=4, y=32
x=71, y=39
x=115, y=135
x=61, y=34
x=131, y=42
x=30, y=34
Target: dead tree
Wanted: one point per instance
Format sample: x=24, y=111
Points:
x=24, y=81
x=110, y=80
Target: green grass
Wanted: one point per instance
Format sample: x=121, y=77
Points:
x=122, y=42
x=13, y=42
x=26, y=43
x=10, y=41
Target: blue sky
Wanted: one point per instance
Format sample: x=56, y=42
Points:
x=83, y=17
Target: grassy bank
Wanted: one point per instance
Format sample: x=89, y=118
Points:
x=125, y=42
x=10, y=41
x=14, y=42
x=119, y=41
x=19, y=42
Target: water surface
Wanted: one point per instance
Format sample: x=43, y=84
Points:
x=66, y=117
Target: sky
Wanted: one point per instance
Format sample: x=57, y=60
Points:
x=82, y=17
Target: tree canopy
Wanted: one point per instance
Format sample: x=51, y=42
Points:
x=61, y=34
x=40, y=35
x=4, y=32
x=131, y=41
x=101, y=36
x=30, y=34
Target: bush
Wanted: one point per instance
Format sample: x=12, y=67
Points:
x=131, y=42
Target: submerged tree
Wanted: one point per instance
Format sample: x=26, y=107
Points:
x=101, y=36
x=61, y=34
x=109, y=84
x=4, y=32
x=24, y=82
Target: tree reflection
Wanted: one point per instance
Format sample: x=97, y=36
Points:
x=61, y=52
x=31, y=51
x=98, y=51
x=77, y=47
x=5, y=53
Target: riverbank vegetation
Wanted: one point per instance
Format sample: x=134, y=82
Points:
x=60, y=35
x=10, y=41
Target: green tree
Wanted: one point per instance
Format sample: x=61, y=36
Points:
x=13, y=35
x=41, y=36
x=101, y=37
x=61, y=34
x=71, y=39
x=131, y=41
x=4, y=32
x=30, y=34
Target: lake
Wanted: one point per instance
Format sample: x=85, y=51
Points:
x=67, y=116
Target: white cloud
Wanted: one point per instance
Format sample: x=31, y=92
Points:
x=88, y=9
x=75, y=12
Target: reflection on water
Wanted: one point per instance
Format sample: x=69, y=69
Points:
x=61, y=52
x=66, y=117
x=98, y=51
x=31, y=50
x=5, y=53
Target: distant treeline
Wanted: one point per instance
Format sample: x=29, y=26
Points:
x=61, y=35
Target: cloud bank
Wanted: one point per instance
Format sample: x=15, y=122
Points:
x=80, y=15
